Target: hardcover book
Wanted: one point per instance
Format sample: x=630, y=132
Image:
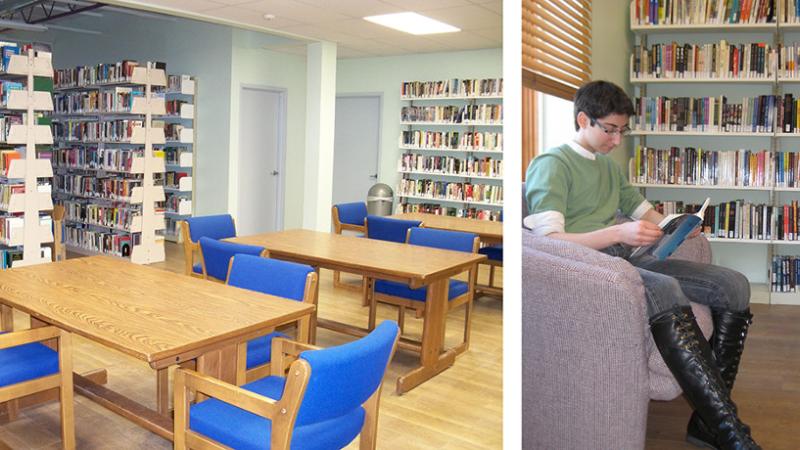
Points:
x=676, y=228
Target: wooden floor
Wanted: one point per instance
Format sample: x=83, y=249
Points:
x=767, y=390
x=459, y=409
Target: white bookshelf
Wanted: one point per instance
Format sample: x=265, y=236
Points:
x=772, y=83
x=180, y=197
x=463, y=154
x=34, y=228
x=143, y=233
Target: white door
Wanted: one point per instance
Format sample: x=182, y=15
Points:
x=262, y=142
x=356, y=147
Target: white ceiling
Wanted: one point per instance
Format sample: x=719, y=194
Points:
x=341, y=21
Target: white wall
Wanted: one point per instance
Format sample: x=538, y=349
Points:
x=385, y=75
x=251, y=64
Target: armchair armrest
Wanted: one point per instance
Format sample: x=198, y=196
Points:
x=584, y=347
x=281, y=412
x=16, y=338
x=284, y=352
x=188, y=380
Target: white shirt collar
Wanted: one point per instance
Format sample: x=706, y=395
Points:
x=578, y=148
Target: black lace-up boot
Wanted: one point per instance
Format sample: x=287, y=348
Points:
x=727, y=344
x=688, y=356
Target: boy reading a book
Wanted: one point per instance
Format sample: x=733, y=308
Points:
x=574, y=192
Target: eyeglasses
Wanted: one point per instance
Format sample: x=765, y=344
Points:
x=612, y=130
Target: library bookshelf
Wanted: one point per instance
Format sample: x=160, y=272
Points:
x=113, y=129
x=762, y=70
x=451, y=138
x=25, y=183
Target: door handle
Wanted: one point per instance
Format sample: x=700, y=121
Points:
x=275, y=172
x=374, y=176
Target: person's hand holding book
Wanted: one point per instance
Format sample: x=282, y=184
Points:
x=639, y=233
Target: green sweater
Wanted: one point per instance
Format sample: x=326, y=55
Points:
x=586, y=192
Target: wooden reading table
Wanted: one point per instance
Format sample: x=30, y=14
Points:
x=415, y=265
x=160, y=317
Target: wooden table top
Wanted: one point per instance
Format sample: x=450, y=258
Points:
x=485, y=229
x=148, y=313
x=412, y=264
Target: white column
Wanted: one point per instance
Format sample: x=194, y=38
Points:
x=320, y=115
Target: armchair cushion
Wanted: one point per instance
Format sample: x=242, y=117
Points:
x=352, y=213
x=217, y=255
x=243, y=430
x=26, y=362
x=396, y=289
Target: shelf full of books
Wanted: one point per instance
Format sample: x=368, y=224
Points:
x=745, y=81
x=25, y=205
x=452, y=142
x=112, y=125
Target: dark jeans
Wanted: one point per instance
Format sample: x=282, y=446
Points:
x=675, y=282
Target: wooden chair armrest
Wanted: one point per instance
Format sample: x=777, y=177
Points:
x=281, y=348
x=16, y=338
x=228, y=393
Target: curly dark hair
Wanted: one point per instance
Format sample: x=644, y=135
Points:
x=598, y=99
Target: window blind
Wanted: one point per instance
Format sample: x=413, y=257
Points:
x=556, y=45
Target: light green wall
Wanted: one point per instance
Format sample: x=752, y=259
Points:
x=385, y=75
x=253, y=65
x=611, y=44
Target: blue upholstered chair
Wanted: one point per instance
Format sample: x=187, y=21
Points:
x=389, y=229
x=349, y=217
x=215, y=256
x=279, y=278
x=217, y=227
x=27, y=366
x=494, y=253
x=459, y=292
x=328, y=397
x=385, y=229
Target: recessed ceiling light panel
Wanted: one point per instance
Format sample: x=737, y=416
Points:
x=412, y=23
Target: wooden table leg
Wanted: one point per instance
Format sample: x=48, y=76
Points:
x=220, y=364
x=432, y=357
x=6, y=318
x=304, y=328
x=162, y=391
x=312, y=324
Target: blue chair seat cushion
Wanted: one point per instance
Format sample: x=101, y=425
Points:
x=26, y=362
x=243, y=430
x=396, y=289
x=259, y=350
x=493, y=252
x=197, y=268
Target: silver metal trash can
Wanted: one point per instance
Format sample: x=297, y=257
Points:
x=379, y=200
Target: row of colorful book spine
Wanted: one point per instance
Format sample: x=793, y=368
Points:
x=442, y=210
x=452, y=88
x=721, y=60
x=454, y=191
x=698, y=12
x=484, y=113
x=452, y=140
x=486, y=167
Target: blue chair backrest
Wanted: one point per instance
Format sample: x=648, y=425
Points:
x=388, y=229
x=443, y=239
x=344, y=377
x=215, y=227
x=270, y=276
x=352, y=213
x=217, y=255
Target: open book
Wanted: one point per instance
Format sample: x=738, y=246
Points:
x=675, y=227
